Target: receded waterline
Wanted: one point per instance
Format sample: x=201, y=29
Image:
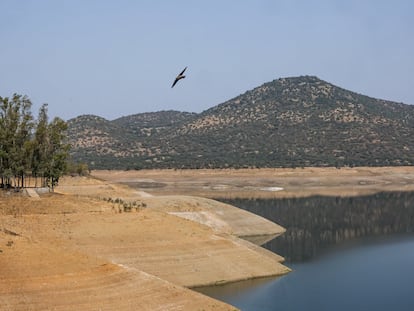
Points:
x=346, y=254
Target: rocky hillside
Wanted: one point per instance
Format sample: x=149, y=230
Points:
x=289, y=122
x=112, y=144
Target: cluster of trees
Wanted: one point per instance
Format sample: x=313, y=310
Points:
x=30, y=147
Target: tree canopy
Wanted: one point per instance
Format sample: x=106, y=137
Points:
x=29, y=146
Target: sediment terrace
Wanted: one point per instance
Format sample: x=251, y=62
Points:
x=78, y=249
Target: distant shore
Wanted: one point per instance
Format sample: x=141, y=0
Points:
x=266, y=183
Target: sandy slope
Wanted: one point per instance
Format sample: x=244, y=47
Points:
x=43, y=276
x=76, y=251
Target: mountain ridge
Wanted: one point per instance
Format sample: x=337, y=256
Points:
x=287, y=122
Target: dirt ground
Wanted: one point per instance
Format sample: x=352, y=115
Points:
x=139, y=240
x=95, y=245
x=266, y=183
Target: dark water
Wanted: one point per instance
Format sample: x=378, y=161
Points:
x=346, y=254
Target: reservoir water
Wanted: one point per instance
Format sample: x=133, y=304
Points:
x=353, y=253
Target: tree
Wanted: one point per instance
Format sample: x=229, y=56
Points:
x=16, y=125
x=28, y=146
x=40, y=143
x=78, y=168
x=58, y=152
x=23, y=136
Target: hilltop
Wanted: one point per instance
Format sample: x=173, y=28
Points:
x=288, y=122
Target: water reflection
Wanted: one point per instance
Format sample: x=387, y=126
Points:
x=313, y=224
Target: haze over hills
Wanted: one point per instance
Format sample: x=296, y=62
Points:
x=288, y=122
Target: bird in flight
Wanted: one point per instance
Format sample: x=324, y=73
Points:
x=179, y=77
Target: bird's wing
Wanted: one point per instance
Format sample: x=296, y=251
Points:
x=182, y=71
x=175, y=81
x=180, y=76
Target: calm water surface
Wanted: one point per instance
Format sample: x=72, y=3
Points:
x=346, y=254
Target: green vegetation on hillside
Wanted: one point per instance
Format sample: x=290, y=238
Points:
x=289, y=122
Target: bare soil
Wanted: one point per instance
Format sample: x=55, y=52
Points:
x=78, y=249
x=267, y=183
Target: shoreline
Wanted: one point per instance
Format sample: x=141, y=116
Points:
x=98, y=237
x=256, y=183
x=82, y=237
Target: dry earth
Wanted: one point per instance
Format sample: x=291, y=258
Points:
x=267, y=183
x=78, y=250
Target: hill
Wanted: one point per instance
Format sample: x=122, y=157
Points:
x=288, y=122
x=115, y=144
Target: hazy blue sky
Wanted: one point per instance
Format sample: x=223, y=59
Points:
x=115, y=58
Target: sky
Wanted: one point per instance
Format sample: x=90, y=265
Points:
x=116, y=58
